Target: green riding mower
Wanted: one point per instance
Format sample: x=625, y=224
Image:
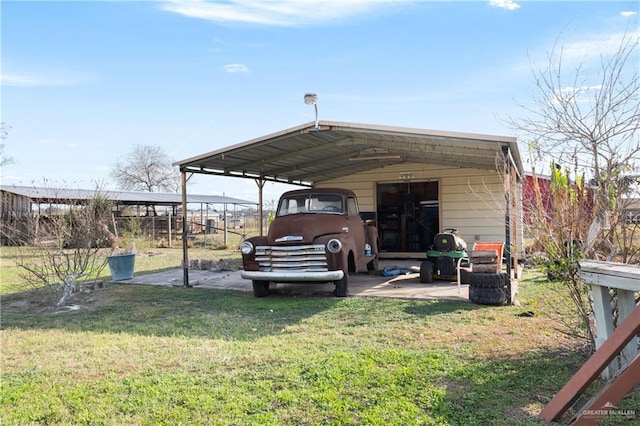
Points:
x=443, y=257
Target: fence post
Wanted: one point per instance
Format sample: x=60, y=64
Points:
x=169, y=227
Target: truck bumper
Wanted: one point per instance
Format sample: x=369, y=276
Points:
x=282, y=276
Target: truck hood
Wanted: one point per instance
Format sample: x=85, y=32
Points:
x=289, y=229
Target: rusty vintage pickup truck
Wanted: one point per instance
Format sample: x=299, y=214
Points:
x=317, y=235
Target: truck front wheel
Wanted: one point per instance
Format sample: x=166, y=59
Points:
x=342, y=286
x=260, y=288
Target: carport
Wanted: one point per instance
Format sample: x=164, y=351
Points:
x=329, y=153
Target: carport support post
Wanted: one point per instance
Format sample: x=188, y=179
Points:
x=185, y=254
x=260, y=183
x=507, y=220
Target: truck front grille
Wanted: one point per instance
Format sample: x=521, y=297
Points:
x=305, y=258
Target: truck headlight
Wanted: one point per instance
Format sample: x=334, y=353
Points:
x=246, y=247
x=334, y=246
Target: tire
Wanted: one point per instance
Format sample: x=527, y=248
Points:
x=260, y=288
x=487, y=296
x=486, y=268
x=478, y=280
x=342, y=286
x=426, y=272
x=465, y=276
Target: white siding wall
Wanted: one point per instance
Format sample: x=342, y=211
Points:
x=471, y=200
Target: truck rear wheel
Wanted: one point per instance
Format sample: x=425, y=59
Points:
x=373, y=265
x=260, y=288
x=342, y=286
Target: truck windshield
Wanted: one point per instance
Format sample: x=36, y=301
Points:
x=310, y=203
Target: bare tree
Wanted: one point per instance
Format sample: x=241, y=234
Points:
x=146, y=168
x=589, y=118
x=68, y=246
x=584, y=121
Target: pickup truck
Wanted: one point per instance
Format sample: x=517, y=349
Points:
x=317, y=235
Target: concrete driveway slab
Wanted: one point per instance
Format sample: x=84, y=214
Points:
x=375, y=285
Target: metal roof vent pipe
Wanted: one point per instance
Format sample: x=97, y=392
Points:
x=312, y=99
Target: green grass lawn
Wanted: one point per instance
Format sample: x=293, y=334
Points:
x=146, y=355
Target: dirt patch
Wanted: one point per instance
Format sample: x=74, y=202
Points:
x=42, y=301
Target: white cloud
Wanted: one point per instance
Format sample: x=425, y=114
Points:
x=594, y=46
x=21, y=80
x=628, y=13
x=504, y=4
x=24, y=80
x=577, y=92
x=276, y=12
x=236, y=68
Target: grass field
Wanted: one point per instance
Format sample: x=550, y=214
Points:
x=142, y=355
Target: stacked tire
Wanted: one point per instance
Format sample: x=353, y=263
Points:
x=488, y=289
x=487, y=284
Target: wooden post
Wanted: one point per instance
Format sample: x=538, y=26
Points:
x=602, y=276
x=626, y=305
x=590, y=370
x=613, y=342
x=516, y=214
x=604, y=321
x=604, y=403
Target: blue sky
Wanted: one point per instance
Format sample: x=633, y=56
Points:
x=84, y=81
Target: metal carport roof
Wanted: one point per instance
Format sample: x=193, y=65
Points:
x=311, y=153
x=307, y=154
x=42, y=195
